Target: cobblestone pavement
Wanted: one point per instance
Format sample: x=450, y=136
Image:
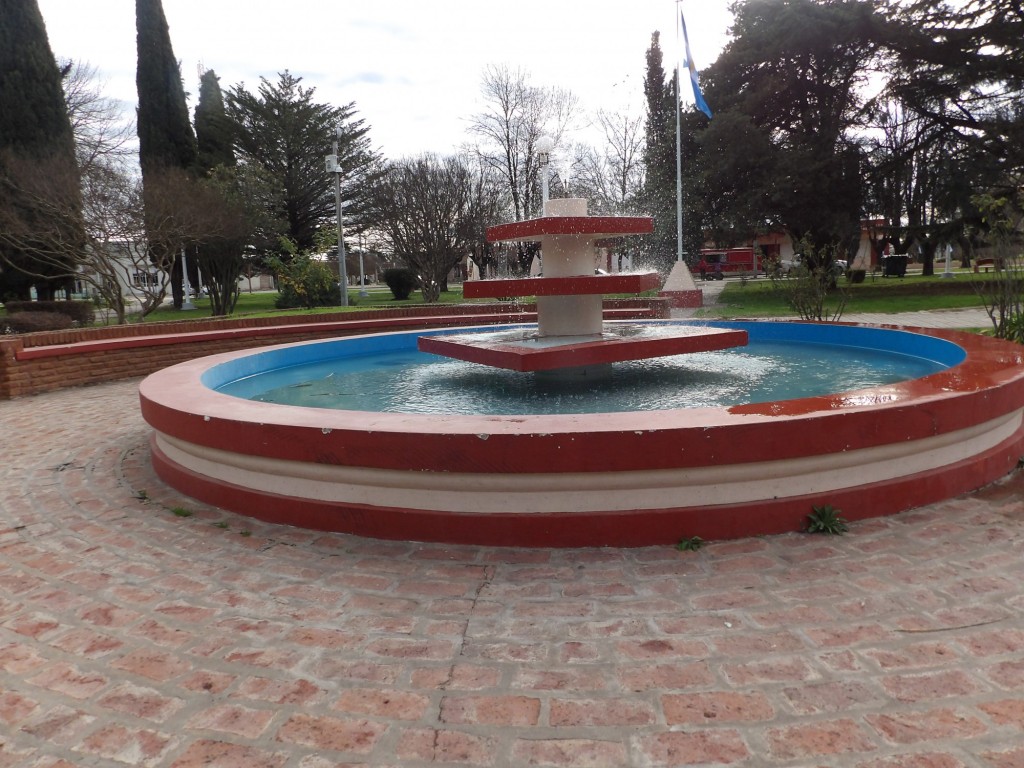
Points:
x=141, y=628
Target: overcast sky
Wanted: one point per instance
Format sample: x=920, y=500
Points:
x=412, y=67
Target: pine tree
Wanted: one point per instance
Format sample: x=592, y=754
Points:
x=35, y=141
x=167, y=145
x=283, y=133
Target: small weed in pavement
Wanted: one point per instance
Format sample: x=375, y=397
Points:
x=826, y=519
x=691, y=544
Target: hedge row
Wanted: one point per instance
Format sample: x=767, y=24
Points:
x=32, y=322
x=81, y=312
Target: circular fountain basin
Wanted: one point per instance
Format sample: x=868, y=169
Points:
x=604, y=479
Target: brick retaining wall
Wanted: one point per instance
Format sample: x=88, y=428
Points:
x=42, y=362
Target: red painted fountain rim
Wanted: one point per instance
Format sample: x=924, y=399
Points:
x=593, y=227
x=988, y=384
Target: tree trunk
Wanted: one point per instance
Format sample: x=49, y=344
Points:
x=177, y=289
x=928, y=258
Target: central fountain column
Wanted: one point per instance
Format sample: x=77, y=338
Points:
x=568, y=255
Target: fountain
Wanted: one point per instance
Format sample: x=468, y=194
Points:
x=571, y=338
x=619, y=478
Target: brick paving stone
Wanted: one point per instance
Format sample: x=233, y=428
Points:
x=1011, y=758
x=130, y=746
x=570, y=753
x=1005, y=712
x=333, y=733
x=694, y=748
x=490, y=710
x=819, y=739
x=572, y=713
x=932, y=760
x=231, y=719
x=923, y=726
x=716, y=707
x=388, y=704
x=142, y=702
x=445, y=746
x=226, y=755
x=131, y=636
x=930, y=685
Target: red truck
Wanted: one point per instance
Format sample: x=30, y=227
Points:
x=734, y=261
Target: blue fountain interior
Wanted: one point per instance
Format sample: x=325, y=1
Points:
x=385, y=372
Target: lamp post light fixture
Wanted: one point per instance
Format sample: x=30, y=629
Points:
x=543, y=149
x=333, y=166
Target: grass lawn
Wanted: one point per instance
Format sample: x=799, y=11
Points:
x=758, y=298
x=262, y=305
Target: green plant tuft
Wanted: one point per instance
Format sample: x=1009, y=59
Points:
x=826, y=519
x=182, y=512
x=691, y=544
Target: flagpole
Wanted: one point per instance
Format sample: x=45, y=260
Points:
x=679, y=150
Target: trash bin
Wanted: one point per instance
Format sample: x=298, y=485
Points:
x=895, y=265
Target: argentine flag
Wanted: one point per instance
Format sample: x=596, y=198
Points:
x=698, y=97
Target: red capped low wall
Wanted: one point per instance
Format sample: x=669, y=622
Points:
x=43, y=362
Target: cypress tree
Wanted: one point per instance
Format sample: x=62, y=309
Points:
x=660, y=159
x=213, y=128
x=220, y=259
x=166, y=141
x=35, y=140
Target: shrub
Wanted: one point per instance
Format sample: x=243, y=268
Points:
x=29, y=322
x=82, y=312
x=401, y=280
x=305, y=282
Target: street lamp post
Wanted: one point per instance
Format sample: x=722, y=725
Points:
x=949, y=259
x=543, y=148
x=187, y=301
x=362, y=272
x=333, y=166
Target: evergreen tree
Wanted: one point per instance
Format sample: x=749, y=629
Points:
x=35, y=141
x=220, y=260
x=659, y=157
x=166, y=142
x=282, y=134
x=787, y=93
x=214, y=138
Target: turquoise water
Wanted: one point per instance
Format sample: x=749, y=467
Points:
x=408, y=381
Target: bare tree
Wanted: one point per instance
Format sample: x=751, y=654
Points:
x=431, y=212
x=104, y=135
x=111, y=255
x=611, y=175
x=104, y=255
x=516, y=114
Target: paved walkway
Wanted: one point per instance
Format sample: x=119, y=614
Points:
x=140, y=628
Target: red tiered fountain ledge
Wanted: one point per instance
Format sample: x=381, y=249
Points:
x=571, y=335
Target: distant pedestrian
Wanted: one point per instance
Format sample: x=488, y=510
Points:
x=702, y=267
